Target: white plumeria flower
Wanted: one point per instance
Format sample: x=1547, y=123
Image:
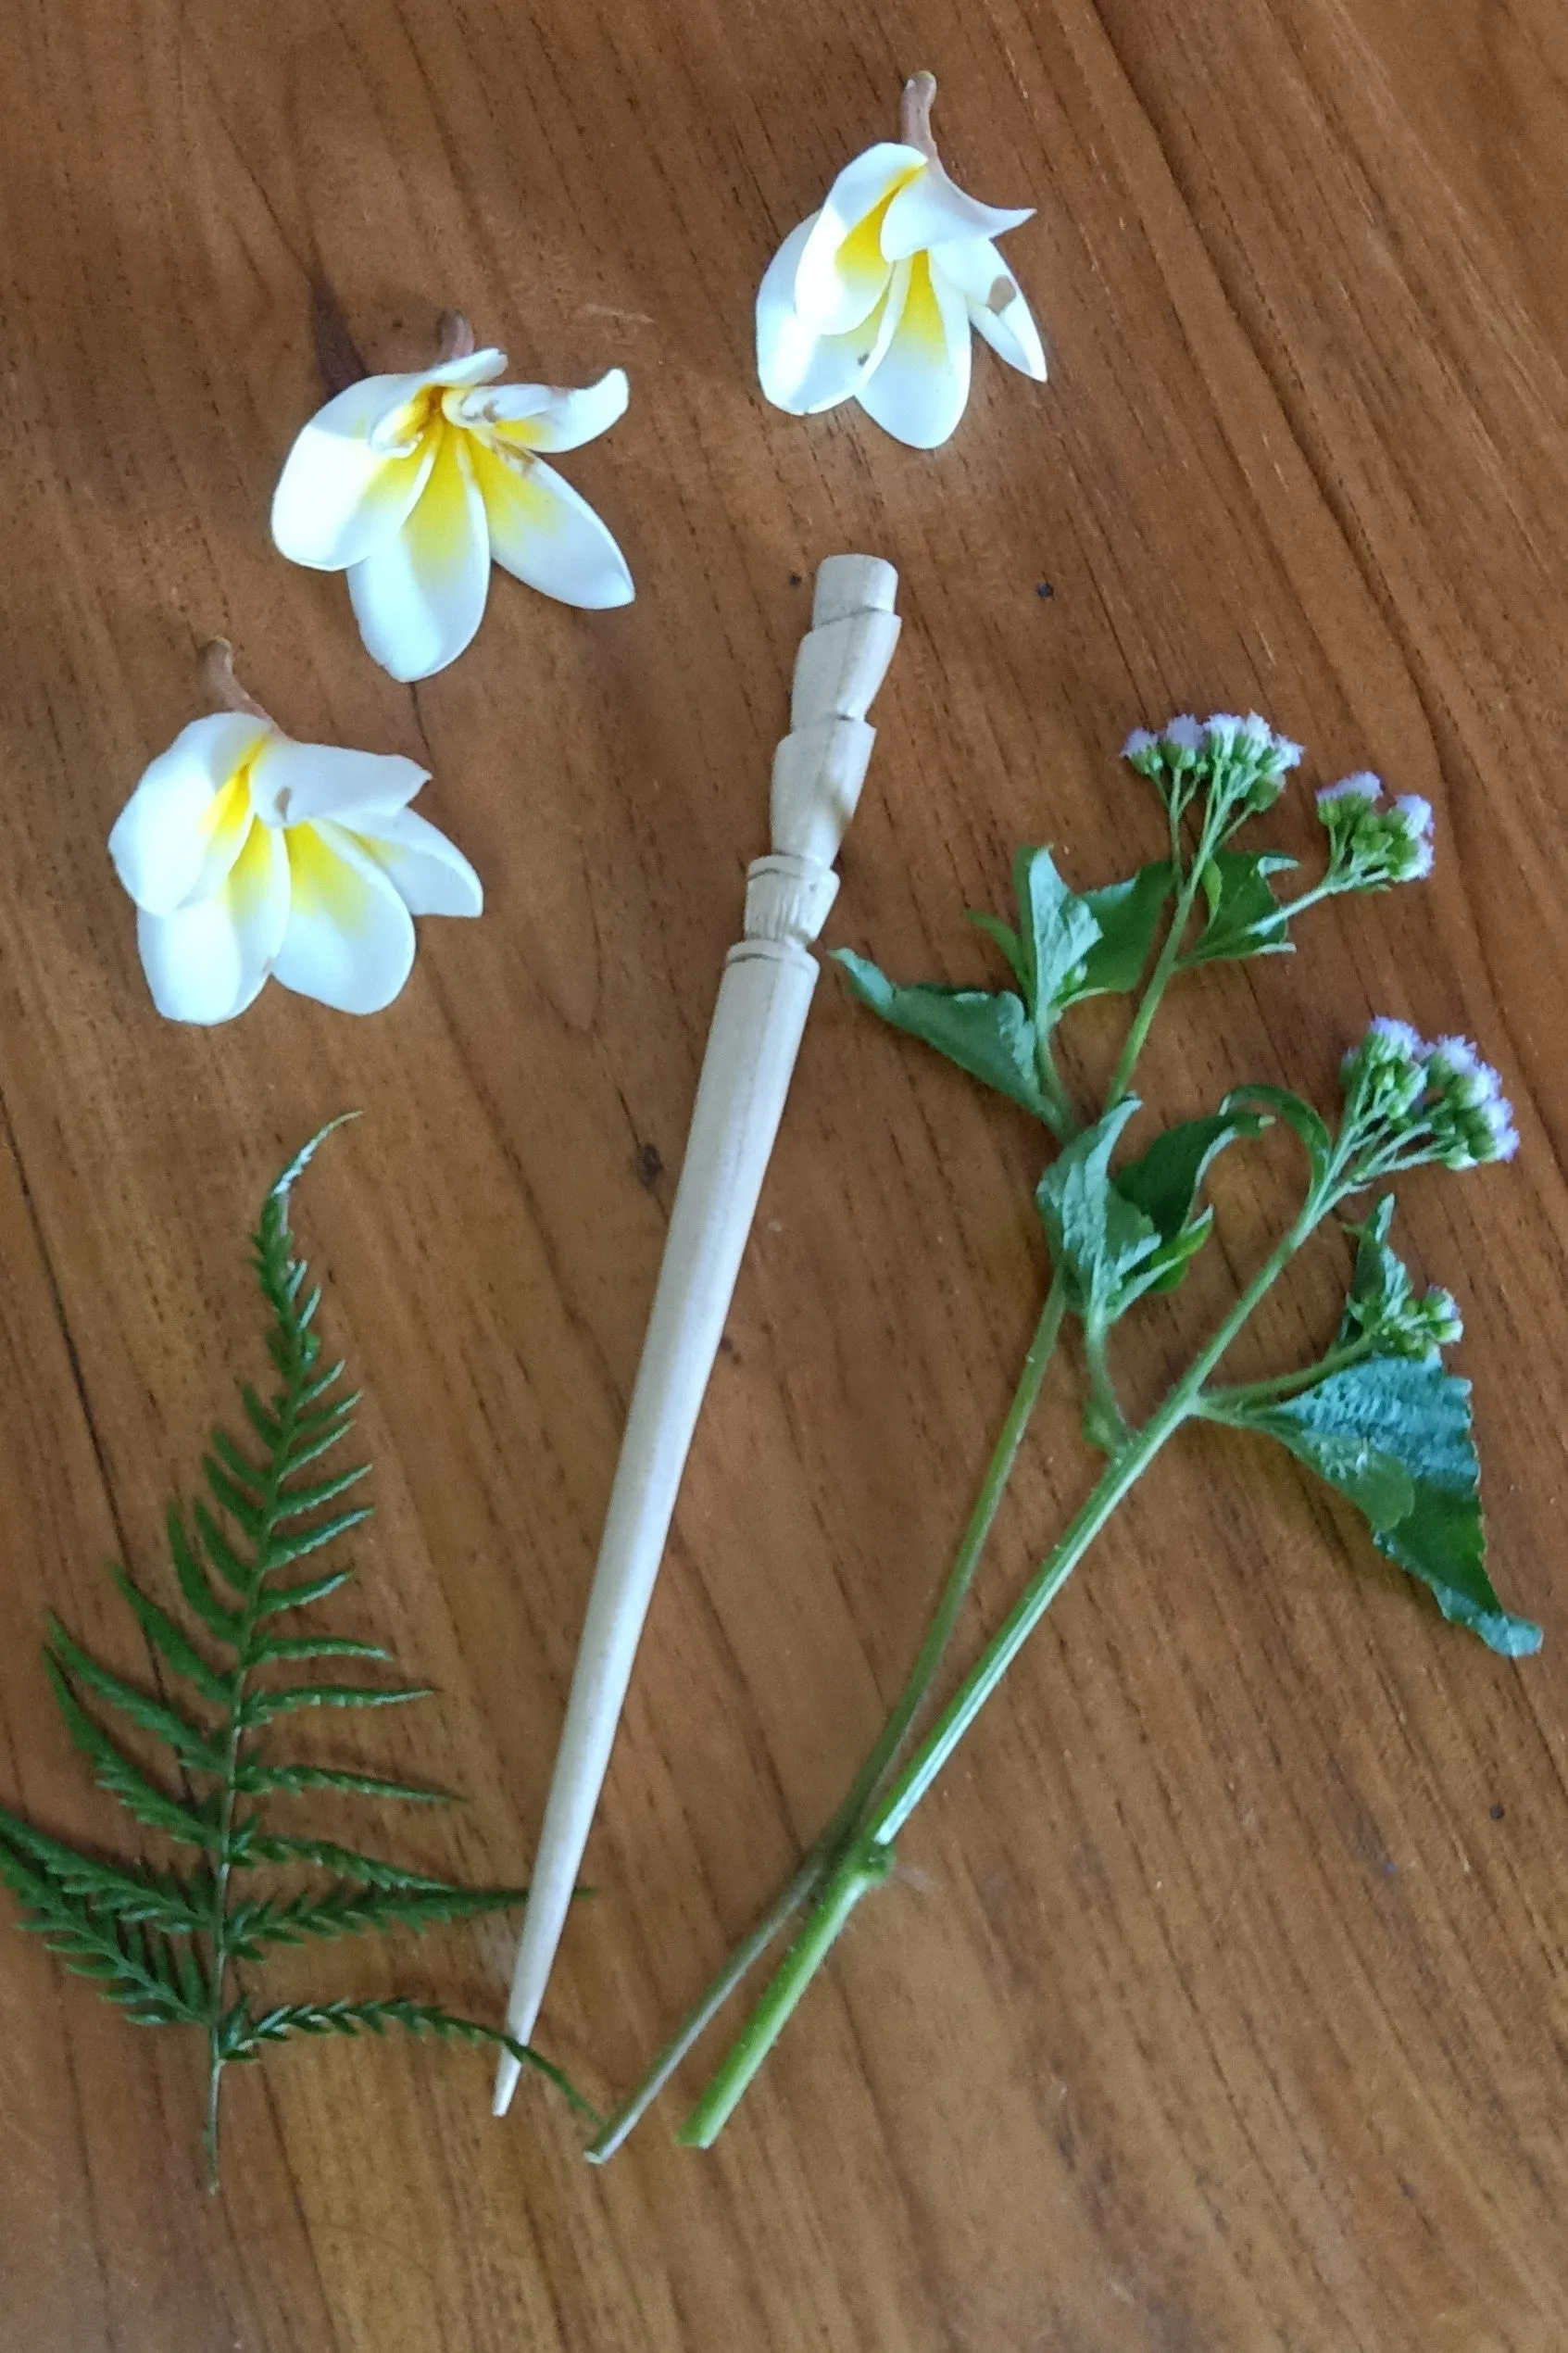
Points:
x=412, y=485
x=872, y=299
x=248, y=854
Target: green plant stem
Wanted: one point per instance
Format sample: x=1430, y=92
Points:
x=825, y=1854
x=1221, y=1404
x=869, y=1857
x=1166, y=962
x=287, y=1414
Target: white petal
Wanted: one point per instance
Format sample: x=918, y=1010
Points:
x=350, y=939
x=917, y=392
x=293, y=781
x=929, y=210
x=785, y=343
x=997, y=309
x=542, y=533
x=207, y=960
x=165, y=835
x=355, y=472
x=804, y=372
x=842, y=272
x=546, y=416
x=430, y=874
x=419, y=599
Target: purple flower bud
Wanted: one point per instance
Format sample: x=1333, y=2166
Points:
x=1184, y=734
x=1389, y=1037
x=1456, y=1065
x=1221, y=731
x=1417, y=815
x=1496, y=1118
x=1284, y=755
x=1140, y=746
x=1362, y=786
x=1441, y=1314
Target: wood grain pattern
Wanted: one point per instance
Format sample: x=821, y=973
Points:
x=1219, y=2001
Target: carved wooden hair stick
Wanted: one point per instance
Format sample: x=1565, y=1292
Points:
x=758, y=1023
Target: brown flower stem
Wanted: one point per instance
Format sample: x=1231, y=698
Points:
x=218, y=677
x=914, y=127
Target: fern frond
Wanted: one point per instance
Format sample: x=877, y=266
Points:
x=366, y=1871
x=261, y=1707
x=189, y=1742
x=248, y=1513
x=321, y=1432
x=283, y=1551
x=157, y=1982
x=116, y=1772
x=295, y=1502
x=236, y=1573
x=170, y=1639
x=250, y=1475
x=350, y=1910
x=128, y=1891
x=270, y=1650
x=161, y=1943
x=258, y=1781
x=225, y=1625
x=279, y=1598
x=415, y=2018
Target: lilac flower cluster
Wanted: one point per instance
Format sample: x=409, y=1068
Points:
x=1408, y=1101
x=1241, y=761
x=1372, y=845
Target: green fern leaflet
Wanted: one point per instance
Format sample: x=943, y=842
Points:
x=166, y=1943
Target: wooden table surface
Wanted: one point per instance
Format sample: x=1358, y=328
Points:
x=1216, y=2004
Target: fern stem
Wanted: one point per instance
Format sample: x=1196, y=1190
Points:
x=301, y=1354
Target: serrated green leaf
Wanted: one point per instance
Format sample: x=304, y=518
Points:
x=279, y=1598
x=1394, y=1435
x=225, y=1623
x=1128, y=915
x=354, y=1910
x=188, y=1740
x=126, y=1891
x=247, y=1516
x=257, y=1780
x=252, y=1477
x=265, y=1423
x=321, y=1435
x=123, y=1779
x=1245, y=916
x=415, y=2018
x=271, y=1649
x=282, y=1551
x=170, y=1639
x=263, y=1707
x=294, y=1503
x=1097, y=1239
x=323, y=1854
x=988, y=1036
x=1057, y=930
x=239, y=1574
x=132, y=1964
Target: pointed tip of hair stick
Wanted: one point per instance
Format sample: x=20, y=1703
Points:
x=506, y=2083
